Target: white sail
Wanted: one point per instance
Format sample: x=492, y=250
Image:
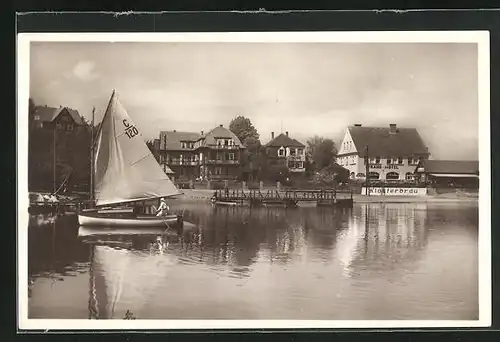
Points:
x=125, y=168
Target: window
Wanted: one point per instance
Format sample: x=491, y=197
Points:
x=389, y=161
x=352, y=175
x=409, y=176
x=218, y=171
x=219, y=156
x=413, y=161
x=230, y=156
x=400, y=161
x=373, y=175
x=58, y=125
x=392, y=176
x=300, y=151
x=292, y=151
x=69, y=127
x=37, y=117
x=377, y=160
x=281, y=152
x=360, y=175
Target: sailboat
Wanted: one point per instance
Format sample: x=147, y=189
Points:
x=125, y=173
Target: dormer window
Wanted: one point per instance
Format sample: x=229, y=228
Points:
x=281, y=152
x=37, y=117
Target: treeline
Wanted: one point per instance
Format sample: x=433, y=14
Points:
x=56, y=152
x=320, y=163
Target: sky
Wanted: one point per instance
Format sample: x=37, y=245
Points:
x=304, y=88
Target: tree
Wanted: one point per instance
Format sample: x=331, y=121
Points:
x=31, y=112
x=243, y=128
x=321, y=151
x=332, y=174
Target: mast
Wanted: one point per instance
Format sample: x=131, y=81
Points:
x=54, y=161
x=92, y=156
x=367, y=166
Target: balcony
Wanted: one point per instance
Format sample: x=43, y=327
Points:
x=296, y=157
x=183, y=162
x=222, y=162
x=224, y=147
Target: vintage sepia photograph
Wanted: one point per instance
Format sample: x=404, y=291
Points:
x=252, y=180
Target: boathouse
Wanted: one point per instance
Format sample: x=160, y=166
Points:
x=392, y=153
x=448, y=173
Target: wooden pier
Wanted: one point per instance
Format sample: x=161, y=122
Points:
x=285, y=198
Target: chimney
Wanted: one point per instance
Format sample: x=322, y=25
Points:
x=286, y=133
x=201, y=132
x=357, y=125
x=220, y=125
x=272, y=135
x=175, y=130
x=393, y=128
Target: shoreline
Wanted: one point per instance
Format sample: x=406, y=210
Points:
x=203, y=195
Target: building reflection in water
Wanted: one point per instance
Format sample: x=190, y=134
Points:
x=383, y=236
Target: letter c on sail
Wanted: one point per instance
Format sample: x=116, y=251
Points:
x=125, y=123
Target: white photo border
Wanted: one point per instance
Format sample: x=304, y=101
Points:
x=480, y=37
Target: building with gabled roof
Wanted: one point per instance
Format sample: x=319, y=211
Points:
x=284, y=149
x=61, y=117
x=215, y=155
x=392, y=152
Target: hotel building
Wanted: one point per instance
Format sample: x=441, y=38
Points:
x=393, y=153
x=215, y=155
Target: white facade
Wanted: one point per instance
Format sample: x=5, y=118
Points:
x=380, y=167
x=295, y=158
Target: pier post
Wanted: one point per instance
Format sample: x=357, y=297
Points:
x=208, y=184
x=261, y=185
x=243, y=185
x=278, y=185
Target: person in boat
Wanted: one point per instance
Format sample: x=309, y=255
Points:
x=163, y=208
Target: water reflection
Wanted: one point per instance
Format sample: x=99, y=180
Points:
x=256, y=256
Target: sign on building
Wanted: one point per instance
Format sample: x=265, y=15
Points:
x=394, y=191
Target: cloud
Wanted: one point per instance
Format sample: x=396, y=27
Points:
x=85, y=71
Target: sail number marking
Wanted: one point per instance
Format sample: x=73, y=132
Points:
x=130, y=130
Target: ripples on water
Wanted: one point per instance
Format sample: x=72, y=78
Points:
x=375, y=261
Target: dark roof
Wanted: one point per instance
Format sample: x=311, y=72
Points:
x=171, y=140
x=220, y=132
x=450, y=166
x=285, y=141
x=382, y=143
x=48, y=114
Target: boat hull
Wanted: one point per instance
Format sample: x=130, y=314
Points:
x=136, y=222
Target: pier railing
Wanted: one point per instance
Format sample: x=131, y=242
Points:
x=282, y=195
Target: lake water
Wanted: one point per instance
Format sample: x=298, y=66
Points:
x=375, y=261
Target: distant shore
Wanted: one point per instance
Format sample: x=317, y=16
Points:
x=205, y=195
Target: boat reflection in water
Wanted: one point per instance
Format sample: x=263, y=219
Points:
x=374, y=261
